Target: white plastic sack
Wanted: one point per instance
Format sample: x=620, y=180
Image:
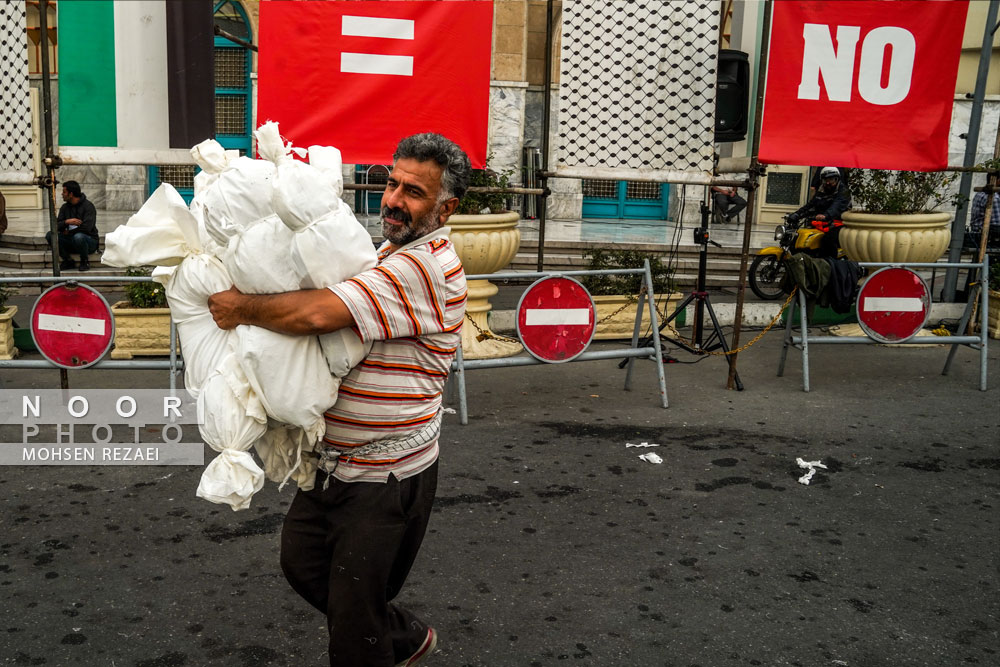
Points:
x=213, y=159
x=231, y=420
x=257, y=258
x=328, y=160
x=162, y=232
x=239, y=197
x=205, y=345
x=290, y=375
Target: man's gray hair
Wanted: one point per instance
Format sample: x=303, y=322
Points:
x=454, y=163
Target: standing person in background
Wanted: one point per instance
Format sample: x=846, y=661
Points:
x=977, y=215
x=348, y=544
x=77, y=228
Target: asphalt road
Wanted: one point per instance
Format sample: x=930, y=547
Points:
x=552, y=543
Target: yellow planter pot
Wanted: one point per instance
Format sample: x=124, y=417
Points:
x=612, y=325
x=919, y=237
x=140, y=332
x=485, y=243
x=7, y=349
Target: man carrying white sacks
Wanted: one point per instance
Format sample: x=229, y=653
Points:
x=348, y=544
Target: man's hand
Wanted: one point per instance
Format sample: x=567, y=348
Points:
x=821, y=216
x=225, y=308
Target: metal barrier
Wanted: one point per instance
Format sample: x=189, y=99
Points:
x=460, y=365
x=979, y=342
x=174, y=365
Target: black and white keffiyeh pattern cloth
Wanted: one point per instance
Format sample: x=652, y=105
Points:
x=15, y=104
x=637, y=84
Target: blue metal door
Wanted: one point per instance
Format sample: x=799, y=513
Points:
x=625, y=200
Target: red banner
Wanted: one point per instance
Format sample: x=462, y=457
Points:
x=361, y=75
x=862, y=84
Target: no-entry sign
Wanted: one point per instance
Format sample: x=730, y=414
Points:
x=72, y=325
x=556, y=319
x=893, y=305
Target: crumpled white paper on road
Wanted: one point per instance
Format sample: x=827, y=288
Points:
x=811, y=466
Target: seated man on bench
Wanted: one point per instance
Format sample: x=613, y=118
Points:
x=77, y=228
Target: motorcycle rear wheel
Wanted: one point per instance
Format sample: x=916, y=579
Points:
x=766, y=274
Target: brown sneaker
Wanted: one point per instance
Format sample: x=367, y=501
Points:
x=430, y=643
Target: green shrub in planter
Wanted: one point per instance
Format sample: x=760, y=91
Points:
x=880, y=191
x=486, y=202
x=619, y=258
x=4, y=295
x=144, y=294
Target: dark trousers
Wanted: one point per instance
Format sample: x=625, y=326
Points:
x=73, y=244
x=347, y=551
x=729, y=206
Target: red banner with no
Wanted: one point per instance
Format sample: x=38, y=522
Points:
x=865, y=84
x=361, y=75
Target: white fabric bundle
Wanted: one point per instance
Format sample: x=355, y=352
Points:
x=329, y=245
x=231, y=416
x=267, y=226
x=162, y=232
x=232, y=419
x=213, y=159
x=239, y=197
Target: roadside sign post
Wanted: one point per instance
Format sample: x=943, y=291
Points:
x=556, y=319
x=893, y=305
x=72, y=325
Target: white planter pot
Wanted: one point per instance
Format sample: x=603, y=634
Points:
x=918, y=237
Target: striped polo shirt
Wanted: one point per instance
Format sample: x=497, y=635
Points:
x=411, y=307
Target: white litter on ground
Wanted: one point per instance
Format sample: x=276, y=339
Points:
x=448, y=411
x=641, y=444
x=651, y=458
x=811, y=466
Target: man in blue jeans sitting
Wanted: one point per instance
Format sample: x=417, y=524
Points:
x=77, y=228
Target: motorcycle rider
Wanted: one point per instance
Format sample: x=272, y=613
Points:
x=832, y=198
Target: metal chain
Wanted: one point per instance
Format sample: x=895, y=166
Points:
x=628, y=302
x=483, y=335
x=755, y=339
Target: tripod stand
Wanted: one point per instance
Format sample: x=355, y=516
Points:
x=702, y=303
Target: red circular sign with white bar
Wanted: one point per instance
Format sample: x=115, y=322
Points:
x=72, y=325
x=893, y=305
x=556, y=319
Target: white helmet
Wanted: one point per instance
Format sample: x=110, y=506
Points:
x=829, y=172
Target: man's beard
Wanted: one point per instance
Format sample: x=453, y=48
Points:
x=409, y=231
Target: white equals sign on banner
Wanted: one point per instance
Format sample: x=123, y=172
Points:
x=374, y=63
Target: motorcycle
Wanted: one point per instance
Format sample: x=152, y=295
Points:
x=768, y=268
